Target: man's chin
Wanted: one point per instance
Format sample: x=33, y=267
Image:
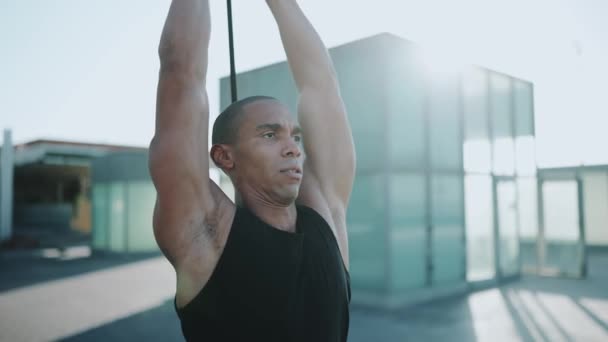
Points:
x=289, y=194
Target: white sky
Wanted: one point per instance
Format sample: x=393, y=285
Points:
x=87, y=70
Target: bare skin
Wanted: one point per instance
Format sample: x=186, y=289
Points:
x=272, y=165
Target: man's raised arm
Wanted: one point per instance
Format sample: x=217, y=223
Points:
x=328, y=140
x=179, y=163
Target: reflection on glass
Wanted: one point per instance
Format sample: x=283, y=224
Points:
x=100, y=215
x=477, y=152
x=367, y=128
x=475, y=104
x=525, y=156
x=140, y=205
x=117, y=219
x=504, y=157
x=474, y=83
x=527, y=207
x=524, y=116
x=563, y=249
x=447, y=230
x=444, y=123
x=479, y=227
x=477, y=156
x=595, y=192
x=405, y=108
x=507, y=227
x=500, y=105
x=408, y=231
x=367, y=232
x=560, y=207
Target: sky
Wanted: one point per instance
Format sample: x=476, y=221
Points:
x=87, y=70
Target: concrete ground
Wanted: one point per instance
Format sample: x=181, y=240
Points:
x=114, y=298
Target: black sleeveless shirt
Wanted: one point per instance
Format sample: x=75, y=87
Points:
x=272, y=285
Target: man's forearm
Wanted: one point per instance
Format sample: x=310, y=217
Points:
x=306, y=54
x=185, y=37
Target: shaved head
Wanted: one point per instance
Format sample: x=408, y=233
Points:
x=225, y=127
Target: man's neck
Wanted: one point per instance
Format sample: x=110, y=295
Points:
x=282, y=217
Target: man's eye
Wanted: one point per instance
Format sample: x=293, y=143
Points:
x=297, y=138
x=269, y=135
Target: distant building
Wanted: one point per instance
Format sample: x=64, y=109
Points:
x=51, y=186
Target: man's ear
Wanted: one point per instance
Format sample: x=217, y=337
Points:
x=222, y=157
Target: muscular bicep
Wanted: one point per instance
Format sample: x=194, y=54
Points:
x=328, y=141
x=178, y=161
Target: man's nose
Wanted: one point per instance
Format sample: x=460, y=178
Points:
x=292, y=149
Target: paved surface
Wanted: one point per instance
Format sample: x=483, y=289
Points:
x=112, y=298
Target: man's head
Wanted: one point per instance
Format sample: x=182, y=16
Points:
x=258, y=144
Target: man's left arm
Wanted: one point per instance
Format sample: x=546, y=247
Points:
x=328, y=143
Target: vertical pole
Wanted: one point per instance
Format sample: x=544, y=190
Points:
x=540, y=240
x=428, y=184
x=125, y=216
x=231, y=47
x=6, y=187
x=496, y=230
x=581, y=224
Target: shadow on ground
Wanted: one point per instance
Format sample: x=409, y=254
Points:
x=157, y=324
x=531, y=309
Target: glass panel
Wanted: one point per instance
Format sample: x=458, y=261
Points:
x=595, y=202
x=500, y=110
x=524, y=115
x=504, y=157
x=273, y=80
x=563, y=248
x=408, y=231
x=100, y=216
x=527, y=201
x=561, y=210
x=507, y=227
x=500, y=105
x=445, y=124
x=477, y=150
x=525, y=155
x=447, y=231
x=477, y=156
x=406, y=97
x=117, y=217
x=141, y=200
x=480, y=227
x=367, y=232
x=524, y=128
x=369, y=130
x=475, y=101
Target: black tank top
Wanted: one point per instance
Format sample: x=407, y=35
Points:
x=272, y=285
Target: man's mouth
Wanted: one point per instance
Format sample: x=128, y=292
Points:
x=292, y=171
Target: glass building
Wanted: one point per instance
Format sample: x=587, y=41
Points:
x=446, y=179
x=123, y=198
x=573, y=219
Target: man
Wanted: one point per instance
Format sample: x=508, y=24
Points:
x=274, y=267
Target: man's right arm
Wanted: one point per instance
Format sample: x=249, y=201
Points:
x=179, y=163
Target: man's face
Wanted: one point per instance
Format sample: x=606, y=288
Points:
x=268, y=153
